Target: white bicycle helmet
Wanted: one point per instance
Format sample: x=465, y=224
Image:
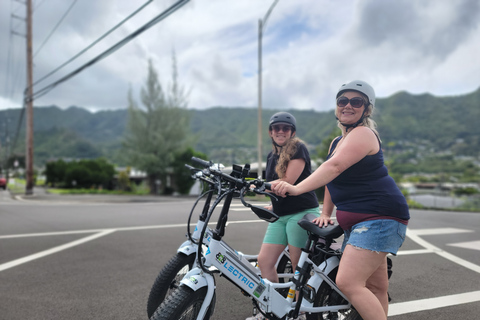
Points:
x=360, y=86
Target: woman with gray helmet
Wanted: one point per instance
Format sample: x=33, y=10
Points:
x=288, y=161
x=370, y=207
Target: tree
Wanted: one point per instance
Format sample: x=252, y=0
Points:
x=159, y=130
x=183, y=176
x=322, y=150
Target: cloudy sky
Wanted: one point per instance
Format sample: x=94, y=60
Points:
x=310, y=47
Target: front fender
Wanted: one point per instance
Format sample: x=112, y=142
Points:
x=195, y=279
x=187, y=248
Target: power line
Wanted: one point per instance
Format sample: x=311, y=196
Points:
x=94, y=43
x=55, y=28
x=112, y=49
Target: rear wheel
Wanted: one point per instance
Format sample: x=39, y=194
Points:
x=184, y=304
x=168, y=280
x=284, y=266
x=326, y=296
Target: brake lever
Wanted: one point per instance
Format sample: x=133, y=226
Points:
x=258, y=191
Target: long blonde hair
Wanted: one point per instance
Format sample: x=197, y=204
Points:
x=286, y=152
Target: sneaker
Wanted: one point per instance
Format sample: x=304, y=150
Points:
x=259, y=316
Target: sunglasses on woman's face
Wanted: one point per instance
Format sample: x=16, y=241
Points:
x=355, y=102
x=281, y=128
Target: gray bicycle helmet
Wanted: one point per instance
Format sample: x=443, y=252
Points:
x=283, y=117
x=360, y=86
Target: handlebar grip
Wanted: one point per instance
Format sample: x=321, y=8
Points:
x=268, y=186
x=202, y=162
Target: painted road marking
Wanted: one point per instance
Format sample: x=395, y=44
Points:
x=399, y=308
x=435, y=231
x=412, y=234
x=474, y=245
x=45, y=253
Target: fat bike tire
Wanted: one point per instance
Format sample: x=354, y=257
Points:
x=184, y=304
x=168, y=280
x=327, y=296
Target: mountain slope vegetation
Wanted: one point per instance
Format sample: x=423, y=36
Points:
x=419, y=124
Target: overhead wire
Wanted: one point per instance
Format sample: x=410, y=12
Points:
x=93, y=43
x=55, y=28
x=112, y=49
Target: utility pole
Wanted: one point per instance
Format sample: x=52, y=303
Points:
x=261, y=27
x=28, y=101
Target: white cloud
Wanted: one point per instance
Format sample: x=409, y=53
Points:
x=310, y=47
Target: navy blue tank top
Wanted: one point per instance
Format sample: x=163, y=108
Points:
x=366, y=187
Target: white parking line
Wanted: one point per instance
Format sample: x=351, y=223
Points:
x=396, y=309
x=442, y=231
x=42, y=254
x=409, y=252
x=412, y=234
x=474, y=245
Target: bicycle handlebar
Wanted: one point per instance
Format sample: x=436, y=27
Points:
x=210, y=169
x=202, y=162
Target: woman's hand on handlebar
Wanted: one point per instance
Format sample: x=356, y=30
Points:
x=323, y=221
x=282, y=188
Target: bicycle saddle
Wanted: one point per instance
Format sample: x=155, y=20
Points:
x=329, y=232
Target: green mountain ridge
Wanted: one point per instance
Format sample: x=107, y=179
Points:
x=424, y=123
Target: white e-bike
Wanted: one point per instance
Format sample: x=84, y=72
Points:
x=314, y=279
x=168, y=279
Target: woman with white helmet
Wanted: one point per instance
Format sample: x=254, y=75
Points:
x=370, y=207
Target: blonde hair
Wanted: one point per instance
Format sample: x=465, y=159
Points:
x=367, y=120
x=286, y=152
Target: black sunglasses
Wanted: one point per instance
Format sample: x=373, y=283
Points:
x=355, y=102
x=277, y=128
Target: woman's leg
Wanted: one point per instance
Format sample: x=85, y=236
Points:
x=362, y=277
x=378, y=284
x=267, y=258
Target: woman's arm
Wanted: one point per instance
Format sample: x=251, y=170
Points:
x=327, y=210
x=294, y=170
x=359, y=143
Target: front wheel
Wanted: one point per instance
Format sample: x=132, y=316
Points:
x=184, y=304
x=168, y=280
x=326, y=296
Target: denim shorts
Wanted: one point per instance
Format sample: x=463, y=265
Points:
x=287, y=231
x=383, y=235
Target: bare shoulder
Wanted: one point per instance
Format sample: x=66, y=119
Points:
x=361, y=132
x=365, y=137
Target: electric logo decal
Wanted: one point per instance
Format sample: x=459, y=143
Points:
x=234, y=271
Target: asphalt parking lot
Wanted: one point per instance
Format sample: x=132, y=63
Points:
x=96, y=258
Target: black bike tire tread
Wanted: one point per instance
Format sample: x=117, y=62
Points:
x=164, y=279
x=173, y=306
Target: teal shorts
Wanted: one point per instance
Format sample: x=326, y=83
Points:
x=287, y=231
